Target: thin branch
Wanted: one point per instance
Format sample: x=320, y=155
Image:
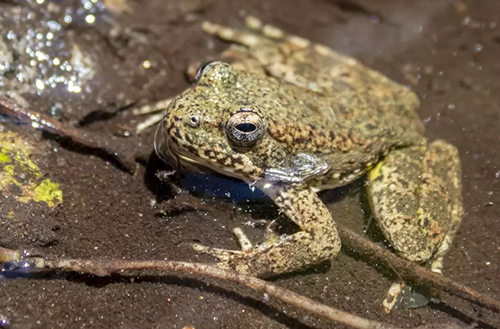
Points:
x=107, y=267
x=407, y=270
x=92, y=140
x=413, y=272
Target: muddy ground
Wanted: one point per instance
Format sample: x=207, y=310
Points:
x=447, y=51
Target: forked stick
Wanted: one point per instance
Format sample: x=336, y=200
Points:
x=107, y=267
x=407, y=270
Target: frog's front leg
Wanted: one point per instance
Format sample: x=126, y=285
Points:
x=415, y=196
x=318, y=239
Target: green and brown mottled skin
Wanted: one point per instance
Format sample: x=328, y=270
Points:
x=322, y=120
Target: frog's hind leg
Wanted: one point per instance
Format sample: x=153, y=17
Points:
x=241, y=59
x=415, y=196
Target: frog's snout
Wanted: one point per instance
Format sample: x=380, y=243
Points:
x=162, y=143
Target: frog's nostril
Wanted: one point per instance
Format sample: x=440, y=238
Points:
x=246, y=127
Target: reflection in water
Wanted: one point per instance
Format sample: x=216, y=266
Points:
x=220, y=187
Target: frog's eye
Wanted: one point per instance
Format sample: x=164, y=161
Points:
x=245, y=129
x=204, y=68
x=194, y=121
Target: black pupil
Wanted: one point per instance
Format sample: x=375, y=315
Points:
x=246, y=127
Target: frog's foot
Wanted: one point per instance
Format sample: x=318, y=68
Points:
x=151, y=109
x=317, y=242
x=223, y=254
x=405, y=296
x=415, y=196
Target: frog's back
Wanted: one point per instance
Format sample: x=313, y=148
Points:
x=357, y=111
x=344, y=87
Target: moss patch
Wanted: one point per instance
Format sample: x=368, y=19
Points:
x=17, y=169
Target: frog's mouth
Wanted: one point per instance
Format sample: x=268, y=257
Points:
x=179, y=156
x=169, y=151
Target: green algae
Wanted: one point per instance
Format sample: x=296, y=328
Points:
x=17, y=169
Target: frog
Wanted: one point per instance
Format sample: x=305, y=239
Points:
x=293, y=118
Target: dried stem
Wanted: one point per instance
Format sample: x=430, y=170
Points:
x=113, y=148
x=407, y=270
x=106, y=267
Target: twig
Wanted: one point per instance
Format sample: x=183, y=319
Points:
x=405, y=269
x=107, y=267
x=413, y=272
x=93, y=140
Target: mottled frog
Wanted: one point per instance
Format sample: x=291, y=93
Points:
x=293, y=118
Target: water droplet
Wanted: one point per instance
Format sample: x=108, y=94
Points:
x=56, y=109
x=4, y=322
x=39, y=84
x=90, y=19
x=11, y=35
x=478, y=47
x=87, y=5
x=74, y=88
x=55, y=26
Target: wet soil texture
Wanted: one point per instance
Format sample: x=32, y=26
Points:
x=87, y=62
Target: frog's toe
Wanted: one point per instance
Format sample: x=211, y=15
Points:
x=243, y=240
x=221, y=254
x=274, y=33
x=247, y=39
x=225, y=254
x=229, y=259
x=393, y=296
x=401, y=295
x=151, y=109
x=254, y=24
